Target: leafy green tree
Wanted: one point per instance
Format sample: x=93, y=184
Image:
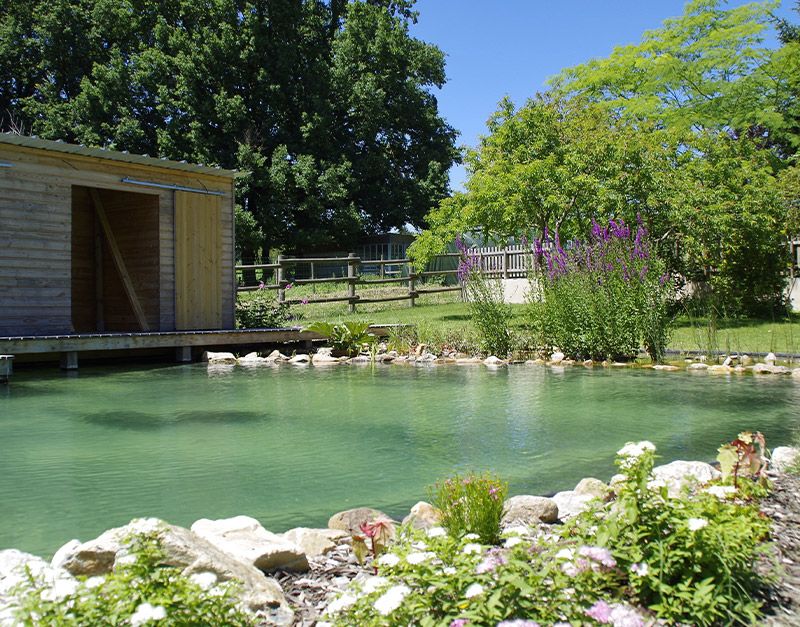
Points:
x=707, y=69
x=326, y=105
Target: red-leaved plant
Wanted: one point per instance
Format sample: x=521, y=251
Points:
x=378, y=532
x=744, y=457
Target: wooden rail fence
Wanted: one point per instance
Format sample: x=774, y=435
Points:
x=505, y=263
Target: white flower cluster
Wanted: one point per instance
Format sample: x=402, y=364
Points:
x=696, y=524
x=633, y=451
x=390, y=600
x=145, y=613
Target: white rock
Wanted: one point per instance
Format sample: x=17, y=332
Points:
x=423, y=515
x=570, y=503
x=784, y=457
x=245, y=539
x=666, y=367
x=302, y=358
x=492, y=360
x=276, y=355
x=770, y=368
x=219, y=358
x=61, y=555
x=698, y=366
x=426, y=357
x=770, y=359
x=728, y=361
x=679, y=474
x=314, y=542
x=719, y=369
x=252, y=359
x=190, y=553
x=529, y=510
x=557, y=357
x=325, y=359
x=592, y=487
x=56, y=583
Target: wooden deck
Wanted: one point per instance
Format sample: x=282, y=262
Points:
x=185, y=341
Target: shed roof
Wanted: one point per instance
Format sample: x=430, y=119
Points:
x=112, y=155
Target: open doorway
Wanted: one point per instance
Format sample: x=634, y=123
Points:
x=115, y=260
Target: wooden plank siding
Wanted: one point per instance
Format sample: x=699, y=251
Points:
x=47, y=261
x=198, y=271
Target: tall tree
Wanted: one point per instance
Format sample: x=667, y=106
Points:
x=279, y=88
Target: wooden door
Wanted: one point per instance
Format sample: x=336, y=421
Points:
x=198, y=254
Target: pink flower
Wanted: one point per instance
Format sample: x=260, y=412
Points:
x=459, y=622
x=304, y=301
x=261, y=285
x=288, y=286
x=600, y=611
x=598, y=554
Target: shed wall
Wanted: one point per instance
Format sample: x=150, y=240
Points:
x=35, y=236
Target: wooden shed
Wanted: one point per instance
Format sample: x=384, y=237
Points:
x=98, y=241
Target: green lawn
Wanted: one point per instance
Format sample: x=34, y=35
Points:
x=444, y=319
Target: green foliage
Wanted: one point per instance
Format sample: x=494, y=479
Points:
x=260, y=310
x=348, y=337
x=707, y=69
x=691, y=129
x=326, y=106
x=490, y=314
x=640, y=557
x=604, y=298
x=143, y=580
x=471, y=504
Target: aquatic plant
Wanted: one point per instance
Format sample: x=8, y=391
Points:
x=601, y=298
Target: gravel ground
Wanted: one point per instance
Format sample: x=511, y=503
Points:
x=783, y=507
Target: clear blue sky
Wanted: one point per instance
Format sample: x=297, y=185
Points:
x=511, y=47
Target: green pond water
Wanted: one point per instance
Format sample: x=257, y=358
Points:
x=291, y=446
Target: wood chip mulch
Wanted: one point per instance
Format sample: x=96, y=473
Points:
x=782, y=599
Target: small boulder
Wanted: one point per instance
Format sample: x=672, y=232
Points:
x=314, y=542
x=321, y=358
x=252, y=359
x=570, y=503
x=769, y=368
x=426, y=357
x=350, y=520
x=360, y=359
x=493, y=360
x=557, y=357
x=784, y=457
x=770, y=359
x=588, y=363
x=56, y=583
x=529, y=510
x=218, y=358
x=679, y=474
x=189, y=552
x=745, y=360
x=276, y=356
x=719, y=369
x=245, y=539
x=424, y=516
x=300, y=359
x=591, y=487
x=666, y=367
x=698, y=366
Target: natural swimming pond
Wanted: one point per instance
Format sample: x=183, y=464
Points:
x=291, y=446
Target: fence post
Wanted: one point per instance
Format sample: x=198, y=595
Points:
x=279, y=280
x=351, y=282
x=412, y=285
x=382, y=267
x=505, y=263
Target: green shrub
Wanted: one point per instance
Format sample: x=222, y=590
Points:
x=490, y=314
x=345, y=337
x=641, y=557
x=471, y=504
x=605, y=298
x=132, y=590
x=260, y=310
